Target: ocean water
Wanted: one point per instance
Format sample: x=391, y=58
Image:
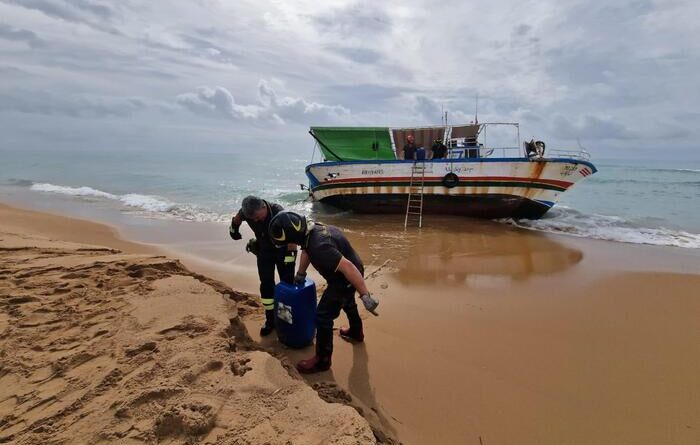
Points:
x=634, y=201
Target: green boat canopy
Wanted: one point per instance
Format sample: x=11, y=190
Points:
x=354, y=143
x=375, y=143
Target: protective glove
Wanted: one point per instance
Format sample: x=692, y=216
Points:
x=300, y=278
x=252, y=246
x=234, y=233
x=370, y=303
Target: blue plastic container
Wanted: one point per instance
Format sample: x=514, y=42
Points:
x=295, y=313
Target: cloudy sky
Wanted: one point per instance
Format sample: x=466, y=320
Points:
x=220, y=75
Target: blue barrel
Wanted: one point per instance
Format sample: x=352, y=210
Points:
x=295, y=313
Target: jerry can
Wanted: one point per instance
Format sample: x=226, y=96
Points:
x=295, y=313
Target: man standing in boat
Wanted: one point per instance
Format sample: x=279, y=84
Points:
x=439, y=150
x=258, y=213
x=329, y=251
x=409, y=150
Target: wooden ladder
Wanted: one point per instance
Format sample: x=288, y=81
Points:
x=414, y=206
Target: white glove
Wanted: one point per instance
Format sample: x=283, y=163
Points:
x=370, y=303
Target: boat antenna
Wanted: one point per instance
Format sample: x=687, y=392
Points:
x=578, y=142
x=580, y=146
x=476, y=110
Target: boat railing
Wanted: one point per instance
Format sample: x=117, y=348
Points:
x=505, y=152
x=574, y=154
x=513, y=152
x=484, y=152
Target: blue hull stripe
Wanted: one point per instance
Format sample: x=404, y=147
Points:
x=547, y=203
x=453, y=161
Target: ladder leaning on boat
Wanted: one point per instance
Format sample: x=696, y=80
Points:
x=414, y=205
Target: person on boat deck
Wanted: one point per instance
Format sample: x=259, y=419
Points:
x=409, y=150
x=329, y=251
x=258, y=213
x=438, y=149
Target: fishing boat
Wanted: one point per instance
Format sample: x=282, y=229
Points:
x=363, y=169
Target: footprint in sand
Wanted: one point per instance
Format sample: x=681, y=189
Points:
x=192, y=419
x=212, y=366
x=22, y=300
x=153, y=395
x=240, y=366
x=189, y=327
x=150, y=346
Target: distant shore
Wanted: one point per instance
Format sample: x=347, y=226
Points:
x=497, y=333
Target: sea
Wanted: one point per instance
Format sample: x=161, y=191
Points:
x=627, y=200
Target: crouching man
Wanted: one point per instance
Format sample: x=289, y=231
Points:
x=329, y=251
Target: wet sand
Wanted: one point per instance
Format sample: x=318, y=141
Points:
x=493, y=335
x=488, y=334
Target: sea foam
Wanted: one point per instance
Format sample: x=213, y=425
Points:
x=154, y=205
x=72, y=191
x=568, y=221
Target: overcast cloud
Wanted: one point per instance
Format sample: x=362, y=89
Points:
x=214, y=75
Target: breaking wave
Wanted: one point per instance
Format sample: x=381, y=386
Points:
x=153, y=205
x=674, y=170
x=72, y=191
x=645, y=181
x=638, y=168
x=568, y=221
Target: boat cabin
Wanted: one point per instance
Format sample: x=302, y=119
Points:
x=385, y=143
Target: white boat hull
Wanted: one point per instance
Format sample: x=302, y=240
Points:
x=488, y=188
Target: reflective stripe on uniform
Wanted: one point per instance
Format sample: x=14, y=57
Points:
x=289, y=259
x=268, y=303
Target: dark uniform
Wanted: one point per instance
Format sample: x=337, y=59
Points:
x=409, y=150
x=326, y=246
x=439, y=150
x=270, y=256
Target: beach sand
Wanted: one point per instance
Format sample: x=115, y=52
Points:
x=486, y=335
x=104, y=345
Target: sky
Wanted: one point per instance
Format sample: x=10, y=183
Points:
x=618, y=77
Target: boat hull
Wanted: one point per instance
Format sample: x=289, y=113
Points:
x=476, y=206
x=493, y=188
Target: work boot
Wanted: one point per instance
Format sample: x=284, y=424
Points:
x=269, y=325
x=314, y=364
x=350, y=336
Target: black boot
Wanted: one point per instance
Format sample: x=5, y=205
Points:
x=269, y=325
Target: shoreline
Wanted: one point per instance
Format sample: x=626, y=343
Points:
x=563, y=221
x=498, y=328
x=207, y=244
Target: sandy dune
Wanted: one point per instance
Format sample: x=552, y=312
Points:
x=99, y=346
